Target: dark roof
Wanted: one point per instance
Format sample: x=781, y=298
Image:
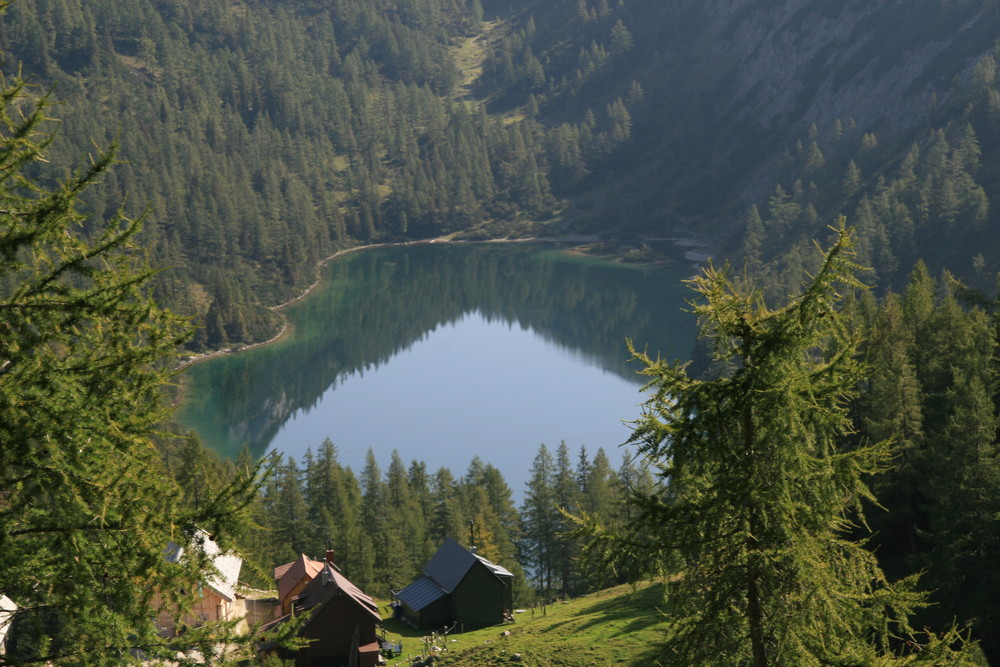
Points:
x=325, y=586
x=451, y=563
x=497, y=570
x=321, y=590
x=270, y=625
x=420, y=593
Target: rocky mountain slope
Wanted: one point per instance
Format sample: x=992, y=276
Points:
x=731, y=85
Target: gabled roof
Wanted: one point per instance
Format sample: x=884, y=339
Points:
x=452, y=562
x=289, y=575
x=498, y=570
x=317, y=593
x=421, y=593
x=227, y=565
x=279, y=571
x=324, y=587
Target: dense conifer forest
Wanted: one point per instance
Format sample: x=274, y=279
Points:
x=262, y=136
x=258, y=137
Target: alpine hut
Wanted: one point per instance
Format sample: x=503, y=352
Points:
x=292, y=578
x=216, y=600
x=343, y=622
x=458, y=586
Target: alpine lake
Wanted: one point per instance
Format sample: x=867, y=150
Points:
x=447, y=351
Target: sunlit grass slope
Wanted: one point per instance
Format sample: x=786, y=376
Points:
x=618, y=626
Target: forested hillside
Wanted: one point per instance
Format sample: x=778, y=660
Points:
x=929, y=392
x=885, y=112
x=260, y=136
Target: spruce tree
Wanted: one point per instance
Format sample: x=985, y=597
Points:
x=892, y=410
x=567, y=499
x=447, y=518
x=756, y=495
x=291, y=530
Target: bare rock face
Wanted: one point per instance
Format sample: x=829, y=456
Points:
x=811, y=61
x=778, y=68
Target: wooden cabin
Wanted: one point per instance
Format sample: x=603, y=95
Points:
x=458, y=586
x=343, y=626
x=216, y=598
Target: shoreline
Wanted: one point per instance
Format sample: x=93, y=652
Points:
x=693, y=256
x=286, y=326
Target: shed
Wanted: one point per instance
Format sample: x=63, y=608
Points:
x=458, y=586
x=343, y=626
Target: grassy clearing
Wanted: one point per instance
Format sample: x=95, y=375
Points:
x=469, y=55
x=618, y=626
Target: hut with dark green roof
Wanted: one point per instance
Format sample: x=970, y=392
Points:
x=458, y=586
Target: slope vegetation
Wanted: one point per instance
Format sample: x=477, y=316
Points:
x=264, y=135
x=726, y=100
x=621, y=626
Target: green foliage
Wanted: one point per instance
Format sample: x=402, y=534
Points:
x=86, y=509
x=549, y=547
x=383, y=527
x=750, y=518
x=933, y=393
x=264, y=137
x=906, y=194
x=540, y=521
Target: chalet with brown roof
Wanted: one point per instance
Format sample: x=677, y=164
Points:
x=343, y=622
x=292, y=578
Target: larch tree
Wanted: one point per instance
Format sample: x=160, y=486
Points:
x=756, y=494
x=86, y=507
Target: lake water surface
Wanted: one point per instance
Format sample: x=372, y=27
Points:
x=448, y=351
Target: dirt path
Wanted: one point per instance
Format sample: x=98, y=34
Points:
x=286, y=328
